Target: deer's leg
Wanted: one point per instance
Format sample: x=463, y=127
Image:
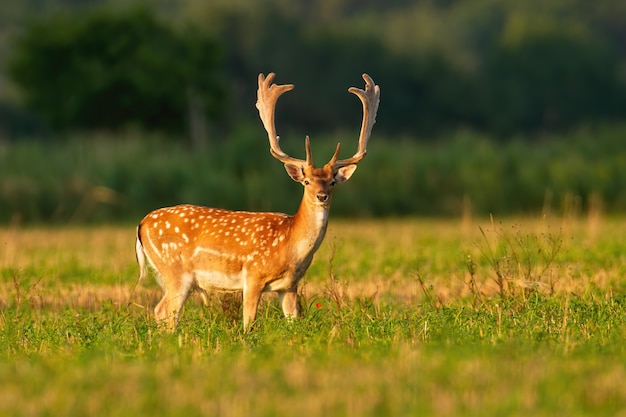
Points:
x=175, y=293
x=289, y=302
x=251, y=296
x=165, y=313
x=204, y=296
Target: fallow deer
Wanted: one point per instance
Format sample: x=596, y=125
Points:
x=200, y=248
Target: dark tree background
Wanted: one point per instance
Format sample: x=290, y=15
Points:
x=496, y=66
x=487, y=106
x=107, y=70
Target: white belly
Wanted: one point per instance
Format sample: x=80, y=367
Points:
x=215, y=280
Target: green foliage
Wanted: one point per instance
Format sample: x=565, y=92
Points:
x=419, y=90
x=121, y=180
x=497, y=66
x=550, y=78
x=105, y=70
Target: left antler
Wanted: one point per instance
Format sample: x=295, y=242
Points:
x=370, y=97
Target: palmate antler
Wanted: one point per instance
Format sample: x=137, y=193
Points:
x=267, y=95
x=370, y=97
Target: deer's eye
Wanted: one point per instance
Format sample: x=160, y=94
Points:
x=332, y=183
x=307, y=182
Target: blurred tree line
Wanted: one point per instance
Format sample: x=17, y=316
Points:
x=467, y=71
x=95, y=179
x=498, y=66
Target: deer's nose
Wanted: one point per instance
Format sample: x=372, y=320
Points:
x=322, y=197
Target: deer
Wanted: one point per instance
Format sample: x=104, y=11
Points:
x=196, y=248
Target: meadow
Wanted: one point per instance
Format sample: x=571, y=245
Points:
x=514, y=316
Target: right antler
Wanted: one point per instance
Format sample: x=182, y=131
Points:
x=267, y=95
x=370, y=97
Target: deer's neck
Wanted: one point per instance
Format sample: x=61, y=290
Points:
x=309, y=225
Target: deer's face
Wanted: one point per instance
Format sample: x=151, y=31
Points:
x=319, y=182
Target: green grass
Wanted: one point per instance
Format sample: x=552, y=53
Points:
x=401, y=317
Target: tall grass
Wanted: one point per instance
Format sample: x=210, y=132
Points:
x=97, y=179
x=396, y=321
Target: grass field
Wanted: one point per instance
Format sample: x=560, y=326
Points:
x=401, y=317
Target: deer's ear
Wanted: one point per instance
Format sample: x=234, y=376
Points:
x=295, y=172
x=344, y=173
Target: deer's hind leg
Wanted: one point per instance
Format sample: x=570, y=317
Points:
x=176, y=290
x=289, y=302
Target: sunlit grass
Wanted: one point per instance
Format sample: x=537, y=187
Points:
x=481, y=317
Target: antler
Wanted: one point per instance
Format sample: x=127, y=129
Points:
x=370, y=97
x=267, y=95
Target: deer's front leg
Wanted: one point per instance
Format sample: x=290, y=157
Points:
x=289, y=302
x=251, y=296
